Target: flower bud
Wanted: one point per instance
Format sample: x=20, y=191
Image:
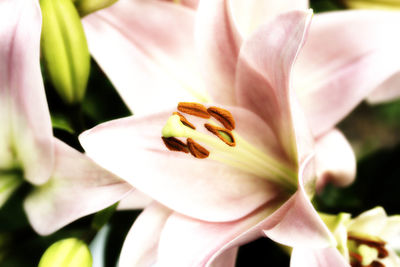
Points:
x=65, y=49
x=373, y=4
x=70, y=252
x=86, y=7
x=9, y=182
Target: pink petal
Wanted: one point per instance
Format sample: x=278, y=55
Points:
x=250, y=14
x=189, y=242
x=226, y=259
x=78, y=187
x=387, y=91
x=26, y=133
x=347, y=55
x=146, y=48
x=188, y=3
x=135, y=200
x=302, y=257
x=296, y=223
x=263, y=73
x=335, y=160
x=202, y=188
x=140, y=246
x=218, y=44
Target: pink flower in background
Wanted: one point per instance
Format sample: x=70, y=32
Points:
x=67, y=184
x=370, y=239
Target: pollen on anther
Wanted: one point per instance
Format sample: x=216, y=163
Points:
x=184, y=120
x=194, y=109
x=175, y=144
x=225, y=135
x=223, y=116
x=197, y=150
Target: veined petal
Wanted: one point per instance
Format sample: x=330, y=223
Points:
x=146, y=48
x=26, y=133
x=250, y=14
x=346, y=56
x=218, y=44
x=132, y=148
x=317, y=258
x=209, y=242
x=335, y=160
x=140, y=246
x=296, y=223
x=263, y=73
x=78, y=187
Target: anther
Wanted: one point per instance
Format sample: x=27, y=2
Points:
x=356, y=257
x=376, y=264
x=225, y=135
x=223, y=116
x=194, y=109
x=369, y=242
x=175, y=144
x=184, y=120
x=197, y=150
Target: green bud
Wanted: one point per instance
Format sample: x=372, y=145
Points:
x=86, y=7
x=65, y=49
x=373, y=4
x=9, y=182
x=70, y=252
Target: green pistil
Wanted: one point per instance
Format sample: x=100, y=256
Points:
x=368, y=254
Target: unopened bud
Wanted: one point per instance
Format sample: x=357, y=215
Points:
x=373, y=4
x=70, y=252
x=65, y=49
x=86, y=7
x=9, y=182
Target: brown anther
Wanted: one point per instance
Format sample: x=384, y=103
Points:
x=197, y=150
x=175, y=144
x=184, y=120
x=357, y=258
x=376, y=242
x=194, y=109
x=355, y=264
x=382, y=252
x=223, y=116
x=218, y=132
x=376, y=264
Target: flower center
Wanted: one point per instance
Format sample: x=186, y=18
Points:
x=221, y=143
x=366, y=250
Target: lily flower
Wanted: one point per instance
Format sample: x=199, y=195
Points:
x=230, y=194
x=67, y=184
x=250, y=161
x=347, y=55
x=370, y=239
